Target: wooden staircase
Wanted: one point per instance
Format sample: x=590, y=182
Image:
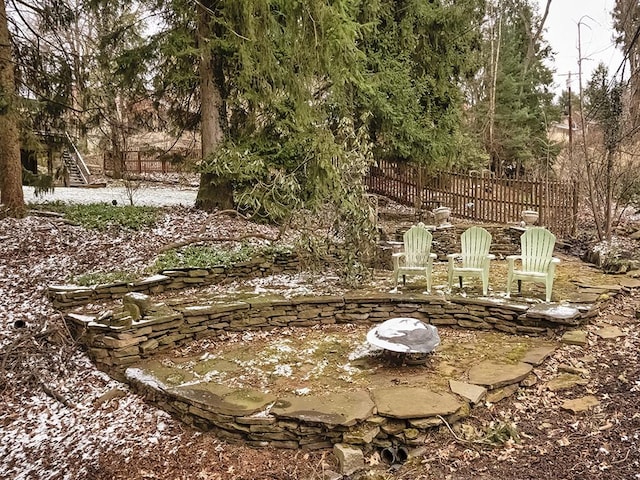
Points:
x=77, y=172
x=74, y=174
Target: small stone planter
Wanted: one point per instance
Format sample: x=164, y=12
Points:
x=529, y=217
x=442, y=215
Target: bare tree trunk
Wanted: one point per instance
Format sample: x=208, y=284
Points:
x=534, y=38
x=608, y=227
x=10, y=166
x=215, y=191
x=626, y=17
x=495, y=59
x=591, y=187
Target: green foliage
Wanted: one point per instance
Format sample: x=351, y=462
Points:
x=197, y=256
x=523, y=99
x=102, y=216
x=102, y=278
x=284, y=100
x=501, y=432
x=295, y=72
x=416, y=57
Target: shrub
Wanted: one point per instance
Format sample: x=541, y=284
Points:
x=102, y=216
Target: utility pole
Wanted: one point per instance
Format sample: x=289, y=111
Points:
x=570, y=122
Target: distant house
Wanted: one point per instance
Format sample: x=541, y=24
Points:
x=559, y=131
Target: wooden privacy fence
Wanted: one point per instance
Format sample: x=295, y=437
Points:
x=478, y=197
x=143, y=162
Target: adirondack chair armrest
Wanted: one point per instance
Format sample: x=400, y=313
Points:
x=555, y=260
x=491, y=256
x=396, y=259
x=452, y=257
x=512, y=259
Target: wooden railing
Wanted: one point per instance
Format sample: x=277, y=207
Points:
x=478, y=197
x=143, y=162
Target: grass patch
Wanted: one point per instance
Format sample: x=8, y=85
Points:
x=102, y=216
x=101, y=278
x=195, y=256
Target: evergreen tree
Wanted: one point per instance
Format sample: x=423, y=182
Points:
x=285, y=71
x=516, y=107
x=418, y=54
x=284, y=78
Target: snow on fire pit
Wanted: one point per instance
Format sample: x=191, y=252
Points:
x=404, y=335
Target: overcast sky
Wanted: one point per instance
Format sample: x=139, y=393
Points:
x=596, y=32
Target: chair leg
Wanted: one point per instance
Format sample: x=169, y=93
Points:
x=427, y=274
x=404, y=279
x=460, y=279
x=519, y=286
x=548, y=289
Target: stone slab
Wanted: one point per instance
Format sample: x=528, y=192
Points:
x=223, y=400
x=610, y=331
x=344, y=409
x=629, y=282
x=499, y=394
x=553, y=313
x=565, y=381
x=537, y=355
x=153, y=279
x=575, y=337
x=580, y=404
x=413, y=402
x=494, y=375
x=473, y=393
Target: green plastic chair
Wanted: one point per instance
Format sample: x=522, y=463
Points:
x=537, y=261
x=416, y=259
x=473, y=260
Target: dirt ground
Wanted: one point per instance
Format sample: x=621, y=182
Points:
x=60, y=418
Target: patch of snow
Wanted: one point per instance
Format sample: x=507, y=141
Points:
x=141, y=376
x=283, y=370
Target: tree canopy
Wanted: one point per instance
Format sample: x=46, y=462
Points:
x=288, y=93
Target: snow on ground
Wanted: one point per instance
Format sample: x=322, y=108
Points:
x=146, y=195
x=60, y=418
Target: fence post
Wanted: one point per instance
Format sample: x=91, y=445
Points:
x=574, y=216
x=542, y=186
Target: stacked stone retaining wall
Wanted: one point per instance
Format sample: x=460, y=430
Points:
x=64, y=297
x=116, y=343
x=260, y=419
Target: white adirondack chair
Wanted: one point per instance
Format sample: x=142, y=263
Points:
x=417, y=258
x=475, y=257
x=537, y=261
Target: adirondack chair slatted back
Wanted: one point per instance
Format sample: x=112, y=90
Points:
x=417, y=246
x=537, y=245
x=475, y=243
